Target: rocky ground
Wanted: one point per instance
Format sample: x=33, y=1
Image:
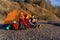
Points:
x=44, y=32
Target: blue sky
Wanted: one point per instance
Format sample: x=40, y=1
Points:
x=55, y=2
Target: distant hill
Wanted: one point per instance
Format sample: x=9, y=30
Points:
x=58, y=13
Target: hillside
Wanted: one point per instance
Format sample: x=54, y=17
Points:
x=40, y=13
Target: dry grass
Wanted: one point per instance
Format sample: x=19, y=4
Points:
x=40, y=13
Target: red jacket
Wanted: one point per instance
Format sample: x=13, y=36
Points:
x=15, y=26
x=25, y=21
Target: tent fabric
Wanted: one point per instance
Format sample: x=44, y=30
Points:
x=15, y=15
x=11, y=16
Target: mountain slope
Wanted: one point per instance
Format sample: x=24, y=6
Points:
x=39, y=12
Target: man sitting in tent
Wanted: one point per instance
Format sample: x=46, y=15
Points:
x=11, y=17
x=33, y=21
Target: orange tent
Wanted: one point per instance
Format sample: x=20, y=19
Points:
x=11, y=16
x=15, y=15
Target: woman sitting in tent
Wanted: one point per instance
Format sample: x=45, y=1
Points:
x=24, y=20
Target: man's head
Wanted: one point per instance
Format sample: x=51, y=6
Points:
x=14, y=21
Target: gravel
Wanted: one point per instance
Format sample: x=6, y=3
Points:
x=44, y=32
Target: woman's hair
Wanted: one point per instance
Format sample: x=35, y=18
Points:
x=25, y=15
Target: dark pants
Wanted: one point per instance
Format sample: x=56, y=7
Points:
x=3, y=26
